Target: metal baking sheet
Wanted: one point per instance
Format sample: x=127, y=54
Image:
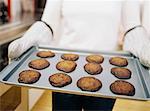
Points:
x=140, y=76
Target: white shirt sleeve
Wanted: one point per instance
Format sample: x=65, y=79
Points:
x=52, y=14
x=131, y=14
x=146, y=15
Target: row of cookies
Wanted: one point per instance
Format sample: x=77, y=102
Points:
x=68, y=65
x=118, y=61
x=92, y=84
x=118, y=87
x=32, y=76
x=121, y=87
x=85, y=83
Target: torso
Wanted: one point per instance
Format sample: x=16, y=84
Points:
x=90, y=24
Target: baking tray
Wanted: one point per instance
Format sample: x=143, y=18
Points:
x=140, y=76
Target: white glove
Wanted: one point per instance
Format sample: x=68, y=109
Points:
x=38, y=34
x=137, y=42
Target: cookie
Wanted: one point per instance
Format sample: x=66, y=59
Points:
x=39, y=64
x=122, y=88
x=95, y=58
x=60, y=80
x=29, y=76
x=118, y=61
x=70, y=57
x=121, y=73
x=66, y=66
x=45, y=54
x=93, y=68
x=89, y=84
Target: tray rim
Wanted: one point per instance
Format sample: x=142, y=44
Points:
x=28, y=52
x=78, y=92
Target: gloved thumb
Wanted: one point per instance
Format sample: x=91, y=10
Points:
x=145, y=56
x=14, y=49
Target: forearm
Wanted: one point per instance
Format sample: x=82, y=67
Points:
x=52, y=14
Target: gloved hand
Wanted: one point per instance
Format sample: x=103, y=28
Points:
x=38, y=34
x=137, y=42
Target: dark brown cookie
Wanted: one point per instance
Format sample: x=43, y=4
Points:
x=66, y=66
x=121, y=73
x=93, y=68
x=95, y=58
x=29, y=76
x=45, y=54
x=118, y=61
x=60, y=80
x=39, y=64
x=70, y=57
x=89, y=84
x=122, y=88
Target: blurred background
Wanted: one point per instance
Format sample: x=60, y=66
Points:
x=14, y=10
x=16, y=16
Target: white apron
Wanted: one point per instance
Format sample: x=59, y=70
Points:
x=90, y=24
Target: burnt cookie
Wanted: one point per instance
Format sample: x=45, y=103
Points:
x=60, y=80
x=122, y=88
x=121, y=73
x=118, y=61
x=29, y=76
x=45, y=54
x=89, y=84
x=66, y=66
x=95, y=58
x=39, y=64
x=70, y=57
x=93, y=68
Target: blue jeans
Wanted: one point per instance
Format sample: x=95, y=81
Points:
x=70, y=102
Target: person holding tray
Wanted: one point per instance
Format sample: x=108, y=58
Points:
x=89, y=25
